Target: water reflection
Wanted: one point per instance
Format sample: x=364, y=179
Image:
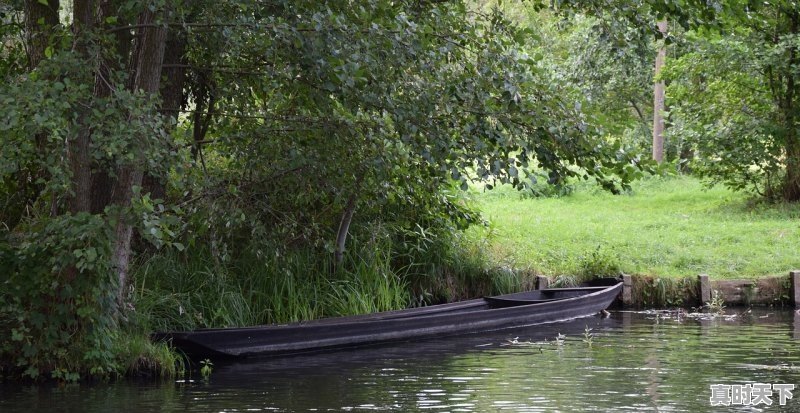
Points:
x=635, y=361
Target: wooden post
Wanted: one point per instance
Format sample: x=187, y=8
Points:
x=794, y=277
x=627, y=290
x=542, y=282
x=705, y=288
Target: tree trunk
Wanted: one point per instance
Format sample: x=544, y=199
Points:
x=102, y=180
x=791, y=184
x=78, y=147
x=344, y=227
x=39, y=22
x=173, y=75
x=148, y=55
x=658, y=99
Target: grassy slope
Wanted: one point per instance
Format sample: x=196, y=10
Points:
x=666, y=227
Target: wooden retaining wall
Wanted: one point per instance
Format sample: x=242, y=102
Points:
x=690, y=292
x=760, y=291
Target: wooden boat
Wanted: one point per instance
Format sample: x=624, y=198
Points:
x=539, y=296
x=484, y=314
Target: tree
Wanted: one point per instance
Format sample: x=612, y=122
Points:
x=276, y=126
x=746, y=102
x=88, y=99
x=658, y=99
x=604, y=66
x=736, y=98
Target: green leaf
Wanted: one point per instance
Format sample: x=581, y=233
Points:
x=16, y=335
x=91, y=254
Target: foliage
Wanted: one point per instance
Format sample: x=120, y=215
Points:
x=206, y=368
x=610, y=67
x=137, y=356
x=408, y=101
x=12, y=59
x=736, y=88
x=660, y=292
x=730, y=105
x=56, y=299
x=717, y=303
x=268, y=134
x=601, y=262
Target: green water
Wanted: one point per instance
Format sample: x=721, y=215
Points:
x=633, y=362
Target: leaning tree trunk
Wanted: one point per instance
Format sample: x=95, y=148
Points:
x=344, y=228
x=346, y=220
x=148, y=55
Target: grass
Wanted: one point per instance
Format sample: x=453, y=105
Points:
x=174, y=291
x=137, y=356
x=665, y=227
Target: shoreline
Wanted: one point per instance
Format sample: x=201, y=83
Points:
x=702, y=291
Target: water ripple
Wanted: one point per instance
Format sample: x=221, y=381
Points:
x=634, y=362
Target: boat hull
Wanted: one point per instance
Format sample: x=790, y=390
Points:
x=449, y=319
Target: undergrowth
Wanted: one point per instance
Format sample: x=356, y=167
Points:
x=186, y=290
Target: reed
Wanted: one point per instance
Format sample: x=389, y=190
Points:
x=176, y=291
x=136, y=355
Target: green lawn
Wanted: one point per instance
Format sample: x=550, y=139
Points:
x=665, y=227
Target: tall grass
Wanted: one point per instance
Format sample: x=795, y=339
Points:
x=460, y=266
x=186, y=291
x=136, y=355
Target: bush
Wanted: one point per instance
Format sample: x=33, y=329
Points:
x=58, y=301
x=599, y=263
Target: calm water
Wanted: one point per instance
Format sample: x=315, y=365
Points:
x=635, y=362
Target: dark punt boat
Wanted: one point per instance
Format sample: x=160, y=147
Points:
x=484, y=314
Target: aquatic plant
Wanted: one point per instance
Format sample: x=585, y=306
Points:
x=588, y=336
x=717, y=303
x=206, y=366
